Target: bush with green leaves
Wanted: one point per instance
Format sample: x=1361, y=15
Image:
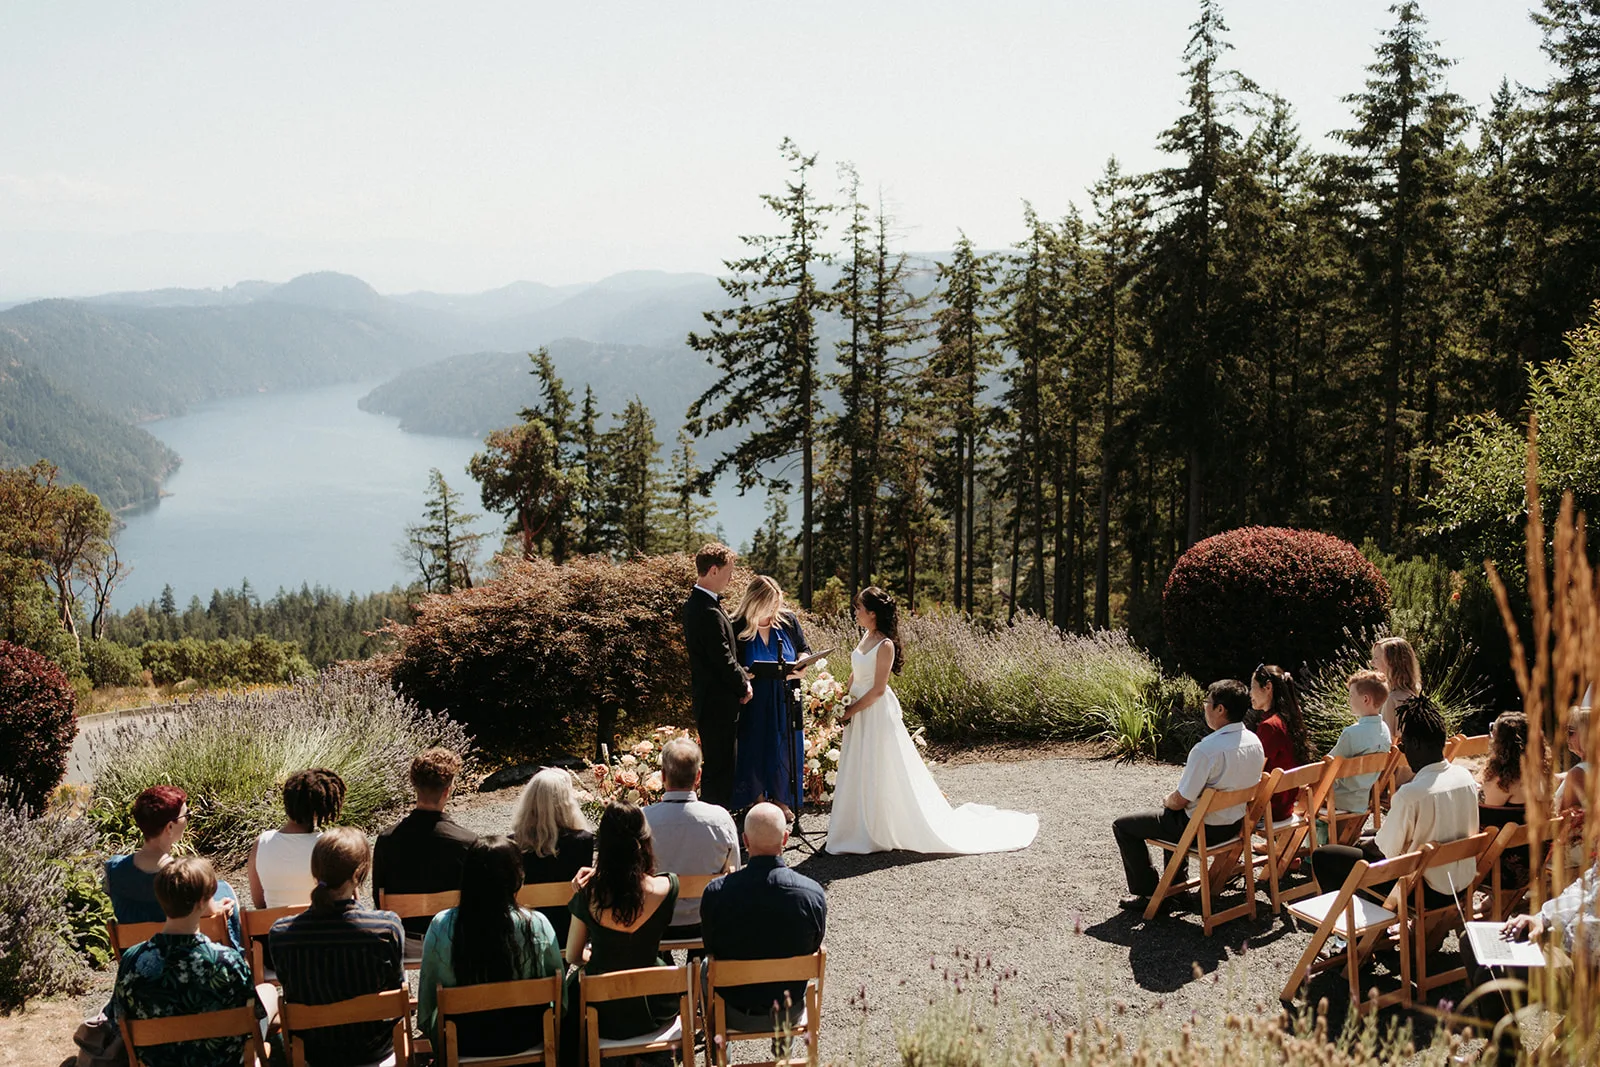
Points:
x=225, y=661
x=231, y=752
x=38, y=854
x=1451, y=682
x=38, y=721
x=110, y=664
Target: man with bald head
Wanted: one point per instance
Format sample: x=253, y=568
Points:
x=764, y=912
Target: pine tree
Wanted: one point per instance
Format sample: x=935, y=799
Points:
x=848, y=429
x=766, y=351
x=520, y=475
x=771, y=548
x=688, y=517
x=633, y=490
x=956, y=368
x=443, y=546
x=555, y=413
x=593, y=453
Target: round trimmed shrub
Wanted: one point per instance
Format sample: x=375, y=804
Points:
x=38, y=720
x=1265, y=594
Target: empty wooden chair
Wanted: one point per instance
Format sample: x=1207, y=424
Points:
x=391, y=1004
x=677, y=1036
x=1430, y=924
x=1282, y=842
x=257, y=923
x=1463, y=747
x=124, y=936
x=413, y=906
x=690, y=887
x=1344, y=827
x=725, y=974
x=1360, y=921
x=464, y=1000
x=231, y=1022
x=1219, y=862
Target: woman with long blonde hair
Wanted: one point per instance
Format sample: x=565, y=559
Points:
x=771, y=747
x=1396, y=660
x=555, y=838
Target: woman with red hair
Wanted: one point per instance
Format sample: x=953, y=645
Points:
x=161, y=813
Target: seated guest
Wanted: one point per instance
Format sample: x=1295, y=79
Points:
x=764, y=912
x=1275, y=719
x=180, y=971
x=1438, y=805
x=162, y=814
x=1367, y=692
x=556, y=840
x=689, y=835
x=1230, y=757
x=280, y=860
x=487, y=938
x=620, y=914
x=1574, y=791
x=422, y=853
x=1502, y=775
x=336, y=949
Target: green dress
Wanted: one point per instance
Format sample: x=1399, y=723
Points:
x=616, y=950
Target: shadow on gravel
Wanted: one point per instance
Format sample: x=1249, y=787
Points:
x=827, y=868
x=1164, y=953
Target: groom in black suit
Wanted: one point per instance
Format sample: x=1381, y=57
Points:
x=718, y=683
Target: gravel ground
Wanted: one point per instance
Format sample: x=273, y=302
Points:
x=1049, y=912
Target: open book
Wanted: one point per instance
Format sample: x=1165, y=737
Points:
x=771, y=669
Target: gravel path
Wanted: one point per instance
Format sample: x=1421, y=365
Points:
x=1049, y=912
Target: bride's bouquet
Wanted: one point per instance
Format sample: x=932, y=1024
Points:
x=825, y=703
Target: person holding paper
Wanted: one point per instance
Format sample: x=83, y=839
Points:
x=770, y=746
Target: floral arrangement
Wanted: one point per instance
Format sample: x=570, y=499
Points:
x=633, y=777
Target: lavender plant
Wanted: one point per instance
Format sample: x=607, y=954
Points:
x=37, y=957
x=231, y=753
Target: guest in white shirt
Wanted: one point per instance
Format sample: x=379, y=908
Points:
x=690, y=836
x=280, y=860
x=1230, y=757
x=1438, y=805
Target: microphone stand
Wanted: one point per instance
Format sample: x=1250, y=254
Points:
x=795, y=739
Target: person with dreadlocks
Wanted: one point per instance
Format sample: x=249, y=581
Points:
x=280, y=860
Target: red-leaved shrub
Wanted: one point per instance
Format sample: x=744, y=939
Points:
x=1264, y=594
x=38, y=720
x=544, y=660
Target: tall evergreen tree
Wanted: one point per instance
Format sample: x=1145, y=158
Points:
x=689, y=518
x=443, y=546
x=633, y=490
x=766, y=351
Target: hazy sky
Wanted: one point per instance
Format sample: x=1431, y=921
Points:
x=462, y=146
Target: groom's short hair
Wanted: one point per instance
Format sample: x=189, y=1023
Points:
x=680, y=762
x=714, y=554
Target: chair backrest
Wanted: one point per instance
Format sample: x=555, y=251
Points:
x=545, y=895
x=228, y=1022
x=721, y=974
x=1395, y=869
x=391, y=1004
x=124, y=936
x=1463, y=747
x=1253, y=797
x=1312, y=780
x=1371, y=763
x=524, y=992
x=639, y=982
x=258, y=921
x=1442, y=855
x=417, y=905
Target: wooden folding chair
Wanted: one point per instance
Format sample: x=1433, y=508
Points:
x=1429, y=925
x=545, y=895
x=1218, y=862
x=391, y=1004
x=690, y=887
x=1283, y=842
x=1463, y=747
x=230, y=1022
x=676, y=1036
x=1344, y=828
x=124, y=936
x=1360, y=922
x=1503, y=898
x=415, y=906
x=464, y=1000
x=257, y=924
x=725, y=974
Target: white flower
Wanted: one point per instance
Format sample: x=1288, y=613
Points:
x=833, y=755
x=832, y=778
x=822, y=666
x=628, y=761
x=813, y=765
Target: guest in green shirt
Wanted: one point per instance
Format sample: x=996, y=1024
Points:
x=487, y=938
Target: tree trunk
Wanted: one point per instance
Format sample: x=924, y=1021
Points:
x=1102, y=547
x=956, y=517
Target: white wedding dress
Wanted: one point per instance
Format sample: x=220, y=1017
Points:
x=885, y=798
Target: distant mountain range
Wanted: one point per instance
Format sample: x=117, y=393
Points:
x=77, y=376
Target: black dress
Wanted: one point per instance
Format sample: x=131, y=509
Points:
x=617, y=950
x=574, y=851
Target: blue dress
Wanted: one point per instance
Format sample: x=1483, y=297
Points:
x=768, y=750
x=133, y=897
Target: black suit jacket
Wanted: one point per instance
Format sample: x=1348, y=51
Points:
x=716, y=679
x=764, y=911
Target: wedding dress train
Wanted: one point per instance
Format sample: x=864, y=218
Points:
x=885, y=798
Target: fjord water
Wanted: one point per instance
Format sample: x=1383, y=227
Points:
x=299, y=487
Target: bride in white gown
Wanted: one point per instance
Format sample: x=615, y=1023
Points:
x=884, y=797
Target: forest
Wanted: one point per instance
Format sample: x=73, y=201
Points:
x=1260, y=332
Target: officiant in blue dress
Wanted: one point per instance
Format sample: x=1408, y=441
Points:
x=769, y=748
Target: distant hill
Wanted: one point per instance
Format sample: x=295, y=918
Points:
x=470, y=395
x=123, y=464
x=518, y=298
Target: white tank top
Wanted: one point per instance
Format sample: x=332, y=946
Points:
x=283, y=865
